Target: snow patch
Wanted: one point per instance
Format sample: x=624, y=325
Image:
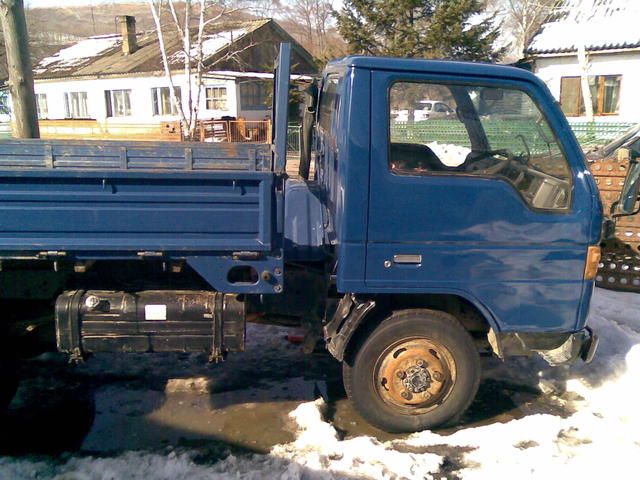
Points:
x=143, y=466
x=80, y=52
x=211, y=44
x=319, y=449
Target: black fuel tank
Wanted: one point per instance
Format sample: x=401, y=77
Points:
x=157, y=320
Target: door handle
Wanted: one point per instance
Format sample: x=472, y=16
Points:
x=407, y=259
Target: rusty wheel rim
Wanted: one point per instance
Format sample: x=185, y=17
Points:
x=415, y=375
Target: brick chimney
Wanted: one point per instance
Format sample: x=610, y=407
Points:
x=128, y=32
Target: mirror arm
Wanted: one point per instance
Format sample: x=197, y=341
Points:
x=630, y=214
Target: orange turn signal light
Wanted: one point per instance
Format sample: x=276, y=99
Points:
x=592, y=262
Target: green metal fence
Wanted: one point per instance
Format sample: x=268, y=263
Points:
x=598, y=133
x=504, y=133
x=293, y=138
x=514, y=135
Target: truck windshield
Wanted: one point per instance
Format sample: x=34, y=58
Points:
x=496, y=132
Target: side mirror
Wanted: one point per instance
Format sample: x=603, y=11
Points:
x=630, y=190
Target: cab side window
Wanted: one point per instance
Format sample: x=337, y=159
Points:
x=329, y=102
x=479, y=131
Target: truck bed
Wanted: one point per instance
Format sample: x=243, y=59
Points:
x=109, y=196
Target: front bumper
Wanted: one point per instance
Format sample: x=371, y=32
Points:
x=555, y=348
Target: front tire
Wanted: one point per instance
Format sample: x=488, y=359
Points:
x=418, y=369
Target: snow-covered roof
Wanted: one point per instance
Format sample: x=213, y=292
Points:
x=80, y=53
x=102, y=55
x=599, y=24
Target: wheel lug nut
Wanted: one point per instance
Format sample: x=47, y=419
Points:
x=400, y=374
x=406, y=395
x=437, y=376
x=421, y=363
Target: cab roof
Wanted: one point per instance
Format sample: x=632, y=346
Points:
x=432, y=66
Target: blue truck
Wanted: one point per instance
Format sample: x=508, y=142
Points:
x=408, y=247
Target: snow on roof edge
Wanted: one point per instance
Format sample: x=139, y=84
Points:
x=609, y=25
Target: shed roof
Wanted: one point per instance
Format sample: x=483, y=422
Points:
x=600, y=24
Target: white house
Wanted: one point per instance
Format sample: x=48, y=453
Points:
x=120, y=78
x=607, y=31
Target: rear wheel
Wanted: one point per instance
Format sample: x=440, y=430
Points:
x=418, y=369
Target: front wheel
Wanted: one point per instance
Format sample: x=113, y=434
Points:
x=418, y=369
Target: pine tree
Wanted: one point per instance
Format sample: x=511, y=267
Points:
x=453, y=29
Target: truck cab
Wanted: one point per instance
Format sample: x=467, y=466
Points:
x=490, y=216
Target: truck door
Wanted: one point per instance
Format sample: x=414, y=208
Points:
x=485, y=203
x=280, y=108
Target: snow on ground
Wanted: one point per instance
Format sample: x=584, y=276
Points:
x=601, y=439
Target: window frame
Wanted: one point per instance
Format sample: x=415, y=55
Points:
x=156, y=101
x=579, y=100
x=83, y=95
x=335, y=107
x=267, y=89
x=5, y=103
x=466, y=175
x=600, y=81
x=110, y=96
x=213, y=88
x=42, y=115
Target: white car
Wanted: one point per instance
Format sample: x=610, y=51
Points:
x=425, y=109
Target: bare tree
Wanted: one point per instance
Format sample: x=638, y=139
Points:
x=312, y=19
x=525, y=17
x=262, y=8
x=190, y=20
x=586, y=7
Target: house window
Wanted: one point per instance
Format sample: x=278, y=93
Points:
x=41, y=104
x=118, y=103
x=216, y=98
x=605, y=95
x=161, y=99
x=75, y=105
x=255, y=95
x=4, y=103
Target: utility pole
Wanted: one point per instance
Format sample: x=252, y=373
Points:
x=16, y=42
